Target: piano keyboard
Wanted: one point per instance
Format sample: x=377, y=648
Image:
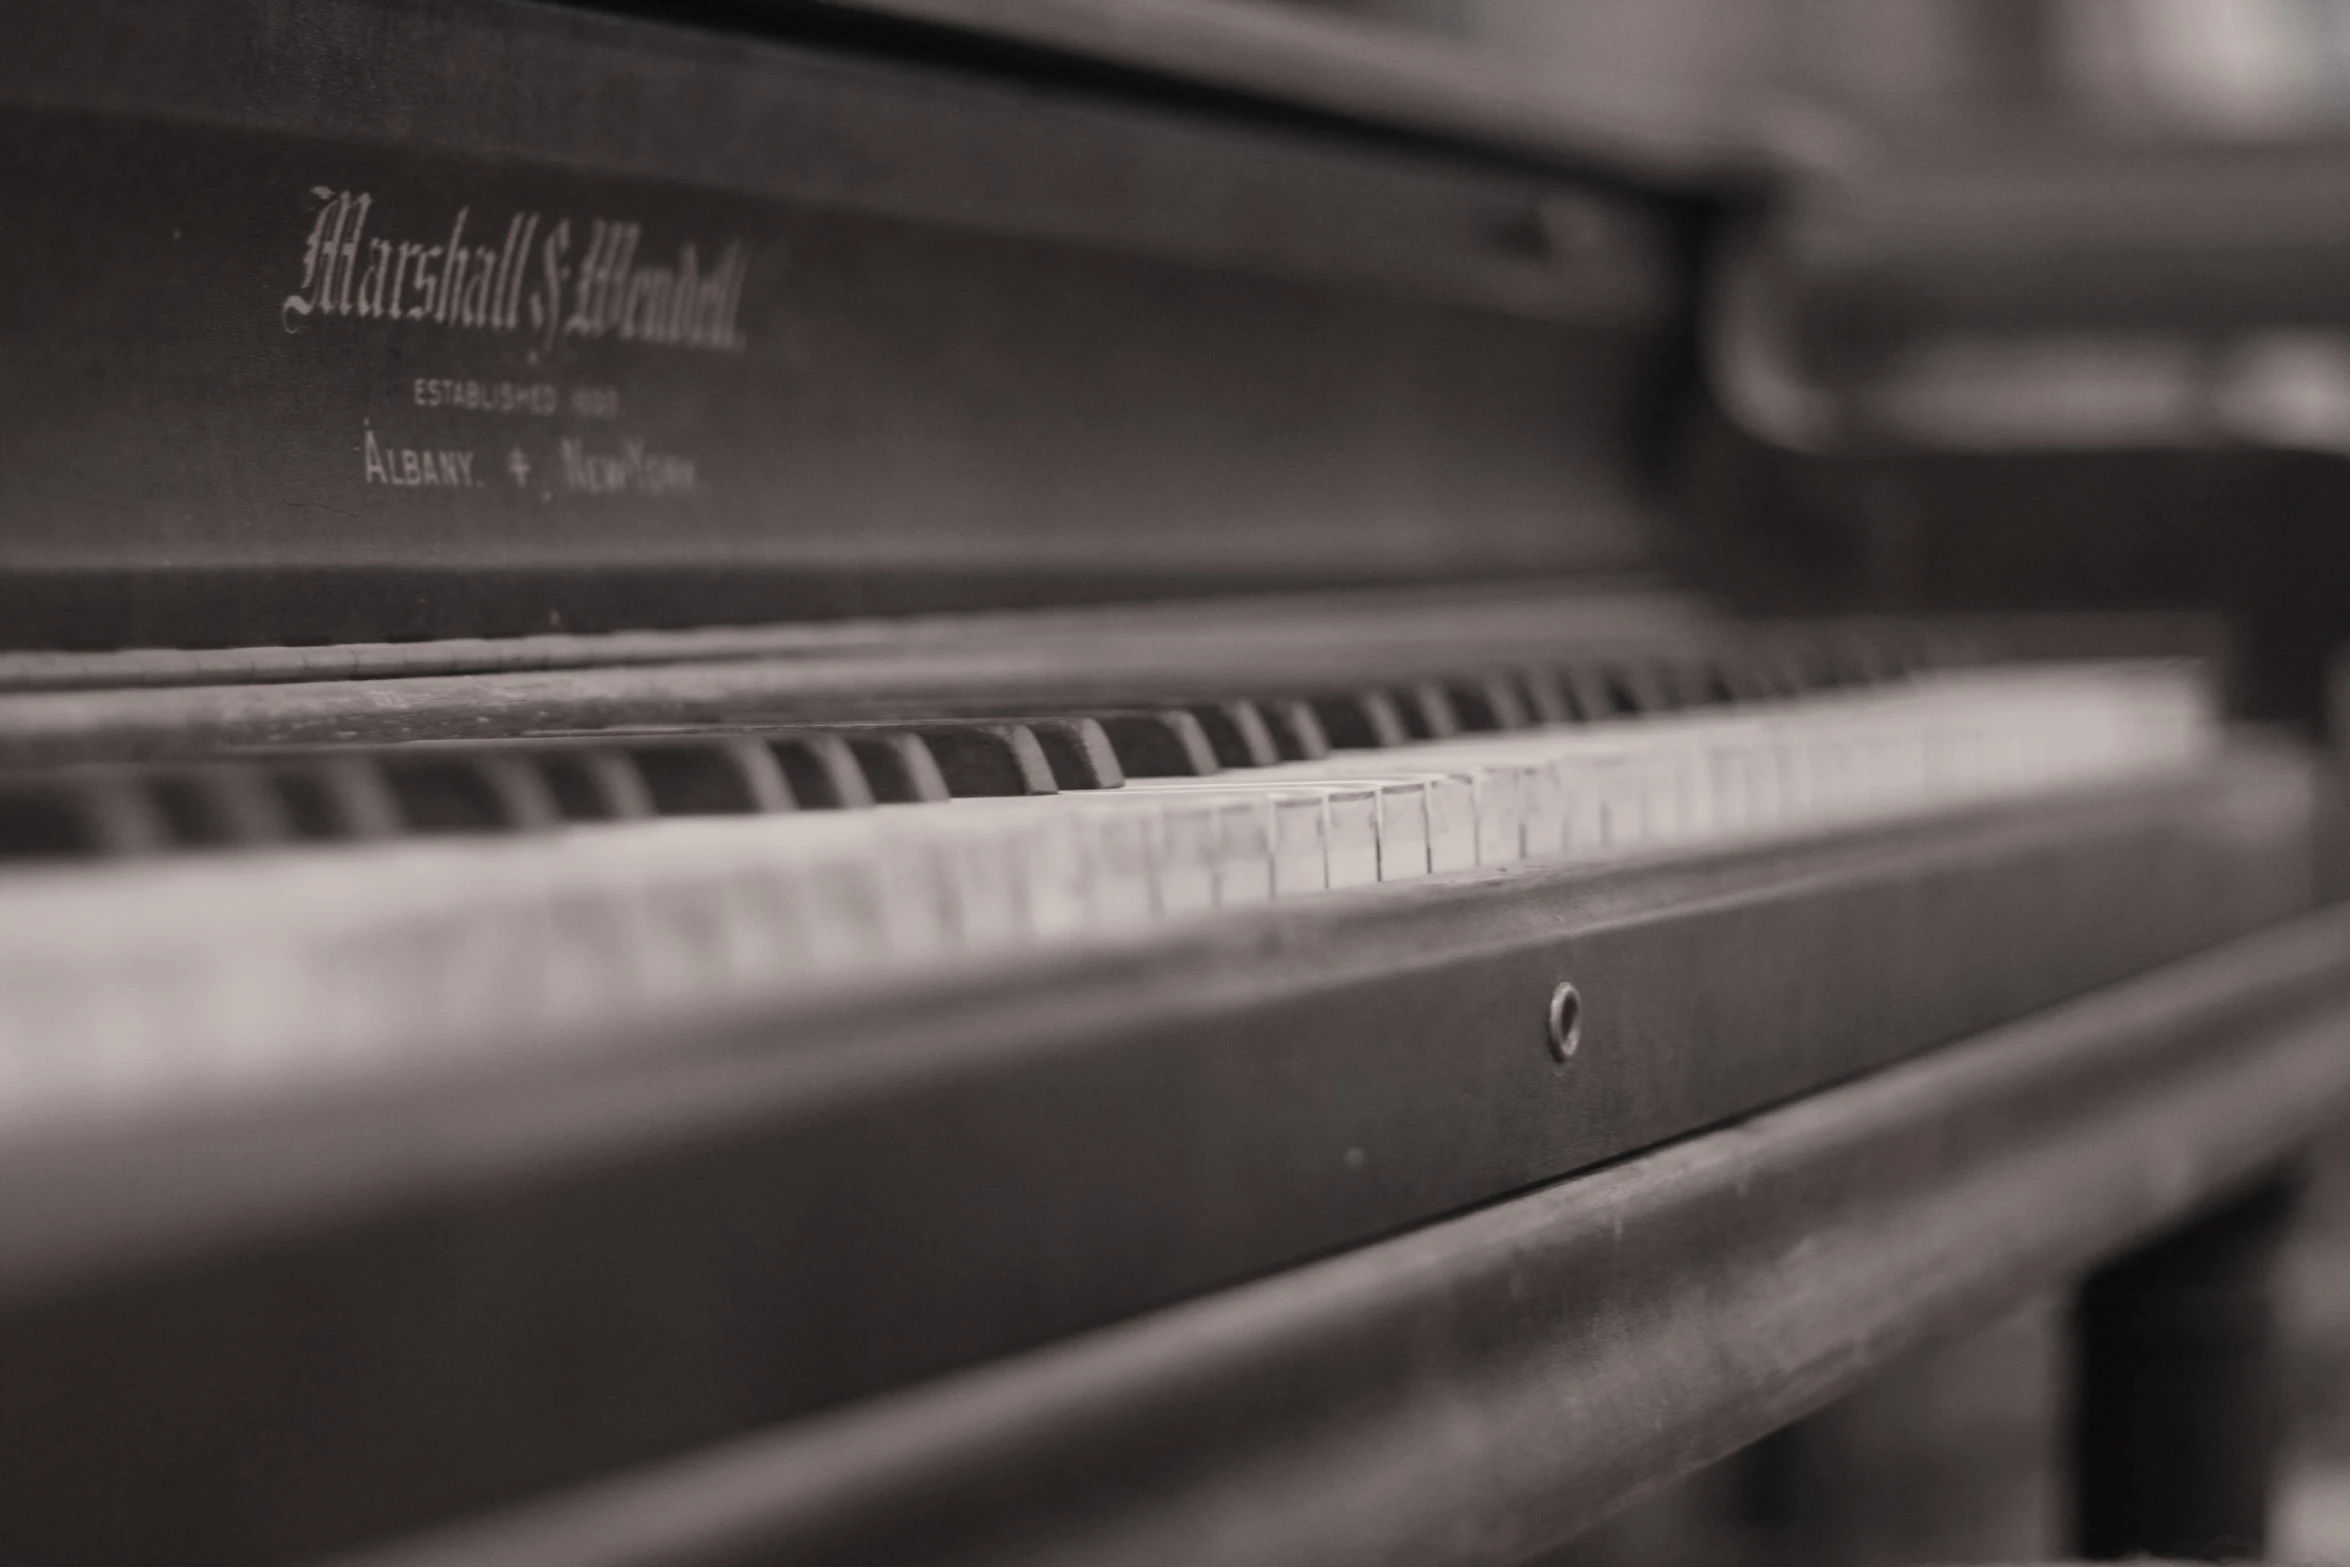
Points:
x=150, y=979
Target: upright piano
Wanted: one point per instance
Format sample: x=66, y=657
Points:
x=1125, y=781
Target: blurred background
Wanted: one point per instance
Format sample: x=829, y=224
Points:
x=2208, y=67
x=2234, y=74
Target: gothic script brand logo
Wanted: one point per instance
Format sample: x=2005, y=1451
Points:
x=526, y=279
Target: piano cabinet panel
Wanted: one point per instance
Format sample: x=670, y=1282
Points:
x=746, y=332
x=1481, y=1389
x=296, y=1330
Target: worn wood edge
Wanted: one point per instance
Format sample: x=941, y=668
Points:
x=1486, y=1385
x=390, y=692
x=1639, y=611
x=61, y=709
x=1584, y=614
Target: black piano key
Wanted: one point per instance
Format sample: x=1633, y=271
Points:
x=1781, y=671
x=221, y=805
x=190, y=814
x=1747, y=679
x=1547, y=701
x=1079, y=751
x=1488, y=706
x=1686, y=683
x=252, y=810
x=1238, y=733
x=823, y=772
x=1830, y=664
x=1864, y=661
x=899, y=769
x=123, y=812
x=1594, y=695
x=1427, y=712
x=1297, y=730
x=45, y=822
x=335, y=798
x=594, y=784
x=1639, y=687
x=989, y=759
x=1361, y=721
x=729, y=778
x=1942, y=649
x=1877, y=658
x=458, y=793
x=522, y=791
x=573, y=787
x=443, y=796
x=1739, y=675
x=1168, y=744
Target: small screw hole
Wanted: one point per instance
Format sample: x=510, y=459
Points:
x=1566, y=1021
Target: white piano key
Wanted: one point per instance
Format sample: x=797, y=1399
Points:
x=1046, y=860
x=1485, y=806
x=987, y=885
x=1350, y=826
x=1549, y=822
x=1402, y=827
x=1322, y=835
x=1376, y=827
x=1301, y=849
x=1229, y=821
x=1414, y=816
x=1191, y=847
x=1297, y=823
x=1125, y=865
x=1245, y=862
